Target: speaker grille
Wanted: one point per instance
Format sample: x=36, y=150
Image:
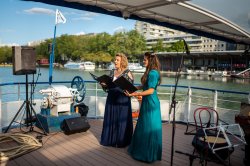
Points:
x=24, y=60
x=75, y=125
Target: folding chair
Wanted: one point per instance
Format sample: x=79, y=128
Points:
x=210, y=143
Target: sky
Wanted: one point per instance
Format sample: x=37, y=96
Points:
x=22, y=22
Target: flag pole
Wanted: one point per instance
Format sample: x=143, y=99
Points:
x=51, y=58
x=59, y=19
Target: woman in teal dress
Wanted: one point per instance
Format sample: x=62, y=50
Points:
x=146, y=144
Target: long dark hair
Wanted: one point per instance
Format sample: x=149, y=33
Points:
x=153, y=64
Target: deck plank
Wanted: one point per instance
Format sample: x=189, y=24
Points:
x=84, y=149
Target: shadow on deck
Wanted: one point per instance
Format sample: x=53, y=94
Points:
x=84, y=149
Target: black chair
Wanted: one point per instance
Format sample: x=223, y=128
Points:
x=209, y=142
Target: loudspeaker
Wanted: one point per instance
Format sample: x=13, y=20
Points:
x=24, y=60
x=75, y=125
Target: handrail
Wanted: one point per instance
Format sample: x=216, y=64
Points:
x=163, y=85
x=190, y=98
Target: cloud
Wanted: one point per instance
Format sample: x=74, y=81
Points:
x=40, y=11
x=87, y=16
x=90, y=14
x=6, y=30
x=8, y=44
x=80, y=33
x=83, y=18
x=119, y=29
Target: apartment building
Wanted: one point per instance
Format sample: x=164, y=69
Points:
x=153, y=33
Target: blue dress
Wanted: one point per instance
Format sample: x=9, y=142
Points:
x=117, y=124
x=146, y=144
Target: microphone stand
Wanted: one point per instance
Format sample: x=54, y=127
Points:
x=174, y=102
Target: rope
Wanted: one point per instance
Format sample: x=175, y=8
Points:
x=26, y=143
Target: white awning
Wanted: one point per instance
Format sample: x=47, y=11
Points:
x=176, y=14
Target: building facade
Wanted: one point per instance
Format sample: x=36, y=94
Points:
x=154, y=33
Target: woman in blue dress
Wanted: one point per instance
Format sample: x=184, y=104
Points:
x=146, y=144
x=117, y=125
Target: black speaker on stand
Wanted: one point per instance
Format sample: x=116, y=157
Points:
x=24, y=63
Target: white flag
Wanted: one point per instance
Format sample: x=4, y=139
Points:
x=59, y=17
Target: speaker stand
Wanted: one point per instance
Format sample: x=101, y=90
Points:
x=29, y=111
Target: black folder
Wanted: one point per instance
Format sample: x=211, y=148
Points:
x=104, y=79
x=125, y=84
x=121, y=82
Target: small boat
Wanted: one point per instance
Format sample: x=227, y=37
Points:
x=88, y=65
x=134, y=67
x=80, y=65
x=43, y=62
x=73, y=65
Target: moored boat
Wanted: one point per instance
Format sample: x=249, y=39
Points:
x=134, y=67
x=80, y=65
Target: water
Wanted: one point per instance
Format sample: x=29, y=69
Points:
x=222, y=83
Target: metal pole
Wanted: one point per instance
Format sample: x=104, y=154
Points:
x=51, y=58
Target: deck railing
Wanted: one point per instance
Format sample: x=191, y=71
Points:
x=227, y=102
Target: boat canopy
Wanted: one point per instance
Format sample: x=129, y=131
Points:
x=175, y=14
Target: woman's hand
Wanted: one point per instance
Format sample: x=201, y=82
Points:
x=103, y=84
x=130, y=94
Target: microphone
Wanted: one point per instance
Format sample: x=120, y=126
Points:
x=186, y=47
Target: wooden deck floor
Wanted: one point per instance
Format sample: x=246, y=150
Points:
x=84, y=149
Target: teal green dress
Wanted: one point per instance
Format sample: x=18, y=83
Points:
x=146, y=144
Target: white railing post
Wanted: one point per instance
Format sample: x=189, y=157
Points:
x=18, y=92
x=96, y=98
x=215, y=100
x=187, y=114
x=215, y=104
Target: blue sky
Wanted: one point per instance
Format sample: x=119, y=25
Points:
x=22, y=22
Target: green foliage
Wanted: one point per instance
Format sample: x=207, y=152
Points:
x=97, y=57
x=158, y=47
x=95, y=47
x=177, y=47
x=5, y=54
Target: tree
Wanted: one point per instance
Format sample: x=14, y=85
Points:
x=177, y=47
x=129, y=43
x=117, y=44
x=98, y=48
x=42, y=50
x=158, y=47
x=97, y=57
x=5, y=54
x=136, y=43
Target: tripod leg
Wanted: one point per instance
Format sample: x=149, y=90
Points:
x=191, y=159
x=39, y=122
x=14, y=117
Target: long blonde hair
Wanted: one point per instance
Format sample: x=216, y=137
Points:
x=153, y=64
x=124, y=61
